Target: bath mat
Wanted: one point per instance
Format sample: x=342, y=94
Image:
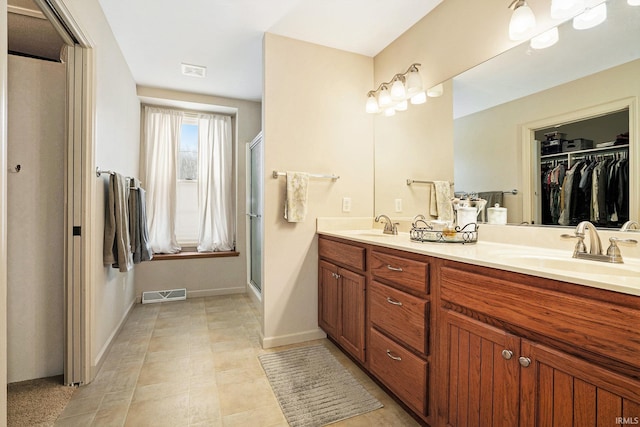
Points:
x=313, y=388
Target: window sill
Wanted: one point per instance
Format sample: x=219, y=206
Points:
x=194, y=254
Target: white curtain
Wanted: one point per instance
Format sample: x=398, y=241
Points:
x=215, y=186
x=162, y=136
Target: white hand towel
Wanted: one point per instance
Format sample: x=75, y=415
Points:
x=441, y=195
x=295, y=205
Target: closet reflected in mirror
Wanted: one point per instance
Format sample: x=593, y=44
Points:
x=584, y=171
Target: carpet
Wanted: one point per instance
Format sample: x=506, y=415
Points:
x=313, y=388
x=37, y=402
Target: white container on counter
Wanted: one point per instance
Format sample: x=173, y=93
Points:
x=497, y=215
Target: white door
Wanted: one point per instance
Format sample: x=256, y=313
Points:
x=256, y=182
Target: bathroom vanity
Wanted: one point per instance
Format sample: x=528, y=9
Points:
x=485, y=334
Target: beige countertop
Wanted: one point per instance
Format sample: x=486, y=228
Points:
x=548, y=262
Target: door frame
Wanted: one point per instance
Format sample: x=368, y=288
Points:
x=80, y=193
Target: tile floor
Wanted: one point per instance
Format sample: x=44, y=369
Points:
x=194, y=363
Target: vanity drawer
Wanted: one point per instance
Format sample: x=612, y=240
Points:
x=599, y=327
x=405, y=272
x=403, y=372
x=402, y=315
x=342, y=253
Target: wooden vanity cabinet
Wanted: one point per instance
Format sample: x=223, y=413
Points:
x=341, y=295
x=390, y=290
x=523, y=351
x=398, y=325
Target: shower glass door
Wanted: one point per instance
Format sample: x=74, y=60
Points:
x=255, y=212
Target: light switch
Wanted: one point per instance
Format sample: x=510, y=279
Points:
x=398, y=205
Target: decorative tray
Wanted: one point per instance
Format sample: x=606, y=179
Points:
x=423, y=232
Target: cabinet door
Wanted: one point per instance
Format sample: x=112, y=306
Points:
x=328, y=298
x=482, y=373
x=351, y=325
x=562, y=390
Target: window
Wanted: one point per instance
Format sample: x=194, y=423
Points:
x=187, y=184
x=188, y=163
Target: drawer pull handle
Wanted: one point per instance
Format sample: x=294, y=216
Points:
x=398, y=358
x=390, y=301
x=393, y=268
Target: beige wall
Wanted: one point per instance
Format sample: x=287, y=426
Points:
x=117, y=139
x=314, y=121
x=208, y=276
x=493, y=137
x=35, y=305
x=455, y=36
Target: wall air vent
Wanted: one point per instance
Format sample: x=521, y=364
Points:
x=194, y=70
x=163, y=296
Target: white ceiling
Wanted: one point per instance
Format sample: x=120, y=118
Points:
x=156, y=36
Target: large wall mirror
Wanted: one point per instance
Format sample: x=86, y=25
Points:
x=588, y=82
x=499, y=105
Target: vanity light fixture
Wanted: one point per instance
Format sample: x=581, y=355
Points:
x=633, y=2
x=591, y=17
x=436, y=91
x=523, y=21
x=395, y=95
x=565, y=9
x=546, y=39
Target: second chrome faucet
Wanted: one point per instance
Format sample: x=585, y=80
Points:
x=595, y=244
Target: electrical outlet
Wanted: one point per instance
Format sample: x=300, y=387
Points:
x=346, y=204
x=398, y=205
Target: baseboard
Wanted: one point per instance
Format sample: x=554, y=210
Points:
x=271, y=342
x=216, y=292
x=102, y=355
x=207, y=293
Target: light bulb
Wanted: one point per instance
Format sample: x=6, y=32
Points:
x=436, y=91
x=372, y=104
x=591, y=17
x=401, y=106
x=398, y=91
x=563, y=9
x=414, y=82
x=419, y=98
x=546, y=39
x=384, y=97
x=633, y=2
x=522, y=23
x=390, y=112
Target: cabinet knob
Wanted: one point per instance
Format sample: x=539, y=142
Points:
x=398, y=358
x=507, y=354
x=524, y=361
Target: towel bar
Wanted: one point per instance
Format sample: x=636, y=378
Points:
x=276, y=174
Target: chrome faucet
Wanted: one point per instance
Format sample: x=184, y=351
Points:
x=389, y=226
x=630, y=225
x=595, y=245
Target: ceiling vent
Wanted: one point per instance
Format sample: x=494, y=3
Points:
x=194, y=70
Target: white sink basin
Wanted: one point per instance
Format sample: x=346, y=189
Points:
x=571, y=265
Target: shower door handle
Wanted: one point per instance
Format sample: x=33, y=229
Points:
x=252, y=215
